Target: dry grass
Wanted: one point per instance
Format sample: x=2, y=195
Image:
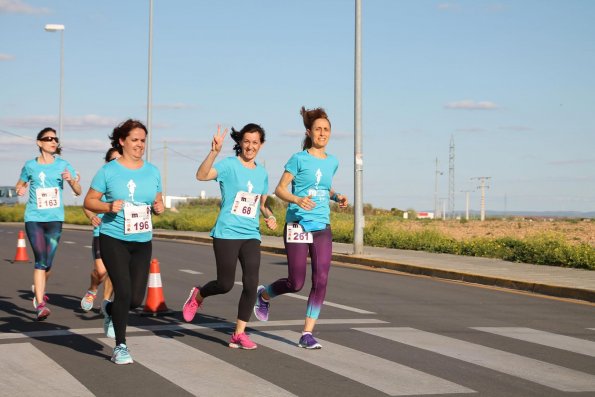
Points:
x=573, y=231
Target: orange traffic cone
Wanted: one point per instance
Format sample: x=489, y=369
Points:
x=155, y=303
x=21, y=255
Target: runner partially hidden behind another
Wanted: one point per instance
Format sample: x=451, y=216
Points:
x=307, y=231
x=44, y=214
x=99, y=273
x=236, y=235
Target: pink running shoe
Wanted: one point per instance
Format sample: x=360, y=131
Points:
x=241, y=341
x=42, y=312
x=191, y=305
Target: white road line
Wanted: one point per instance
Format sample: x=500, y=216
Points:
x=194, y=371
x=21, y=361
x=69, y=242
x=551, y=375
x=87, y=246
x=575, y=345
x=184, y=326
x=376, y=372
x=190, y=271
x=327, y=303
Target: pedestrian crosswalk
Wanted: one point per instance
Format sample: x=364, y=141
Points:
x=175, y=358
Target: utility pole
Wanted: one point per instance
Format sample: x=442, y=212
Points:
x=436, y=174
x=358, y=200
x=150, y=86
x=451, y=178
x=164, y=169
x=483, y=186
x=466, y=202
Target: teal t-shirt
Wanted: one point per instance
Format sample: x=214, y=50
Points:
x=45, y=189
x=135, y=187
x=311, y=176
x=233, y=177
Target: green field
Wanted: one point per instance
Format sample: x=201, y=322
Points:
x=383, y=229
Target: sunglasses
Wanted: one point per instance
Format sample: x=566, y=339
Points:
x=49, y=139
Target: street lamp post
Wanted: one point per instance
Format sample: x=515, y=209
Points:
x=59, y=28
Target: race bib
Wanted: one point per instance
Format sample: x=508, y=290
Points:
x=137, y=219
x=47, y=197
x=296, y=234
x=245, y=204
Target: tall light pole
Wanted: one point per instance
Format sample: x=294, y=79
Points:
x=436, y=174
x=150, y=83
x=358, y=204
x=483, y=186
x=59, y=28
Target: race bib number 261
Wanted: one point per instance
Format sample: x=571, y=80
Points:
x=296, y=234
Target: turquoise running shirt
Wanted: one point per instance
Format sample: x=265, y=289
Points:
x=136, y=187
x=45, y=181
x=312, y=176
x=241, y=190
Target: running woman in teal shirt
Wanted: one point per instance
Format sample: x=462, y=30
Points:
x=132, y=190
x=45, y=175
x=236, y=235
x=308, y=230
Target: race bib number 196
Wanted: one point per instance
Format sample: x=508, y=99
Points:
x=47, y=197
x=137, y=219
x=296, y=234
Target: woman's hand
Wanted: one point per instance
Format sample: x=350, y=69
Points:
x=116, y=206
x=158, y=207
x=217, y=143
x=95, y=221
x=342, y=201
x=305, y=202
x=271, y=222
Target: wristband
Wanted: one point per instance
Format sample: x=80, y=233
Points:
x=335, y=197
x=271, y=217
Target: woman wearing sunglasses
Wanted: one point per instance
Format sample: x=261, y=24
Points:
x=44, y=214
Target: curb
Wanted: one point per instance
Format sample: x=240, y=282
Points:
x=537, y=288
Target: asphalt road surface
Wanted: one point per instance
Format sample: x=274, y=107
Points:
x=383, y=333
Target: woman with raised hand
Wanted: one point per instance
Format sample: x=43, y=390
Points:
x=44, y=214
x=236, y=234
x=131, y=188
x=306, y=186
x=99, y=273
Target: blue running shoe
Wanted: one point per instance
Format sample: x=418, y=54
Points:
x=261, y=308
x=307, y=341
x=121, y=355
x=108, y=324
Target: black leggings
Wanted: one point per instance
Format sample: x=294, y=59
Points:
x=127, y=265
x=227, y=253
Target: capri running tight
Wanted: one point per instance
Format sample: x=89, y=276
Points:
x=227, y=253
x=320, y=251
x=127, y=264
x=44, y=238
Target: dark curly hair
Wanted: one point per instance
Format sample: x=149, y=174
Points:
x=310, y=116
x=42, y=133
x=108, y=154
x=123, y=130
x=237, y=136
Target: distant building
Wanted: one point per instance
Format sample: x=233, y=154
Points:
x=425, y=215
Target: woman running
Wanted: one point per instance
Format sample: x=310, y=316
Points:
x=44, y=214
x=99, y=273
x=307, y=231
x=236, y=235
x=132, y=190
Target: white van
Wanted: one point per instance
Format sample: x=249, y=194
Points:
x=8, y=195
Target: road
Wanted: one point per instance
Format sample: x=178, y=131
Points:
x=383, y=333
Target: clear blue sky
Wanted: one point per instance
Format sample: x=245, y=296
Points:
x=512, y=81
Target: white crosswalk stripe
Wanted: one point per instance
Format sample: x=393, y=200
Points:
x=575, y=345
x=181, y=364
x=551, y=375
x=21, y=360
x=384, y=375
